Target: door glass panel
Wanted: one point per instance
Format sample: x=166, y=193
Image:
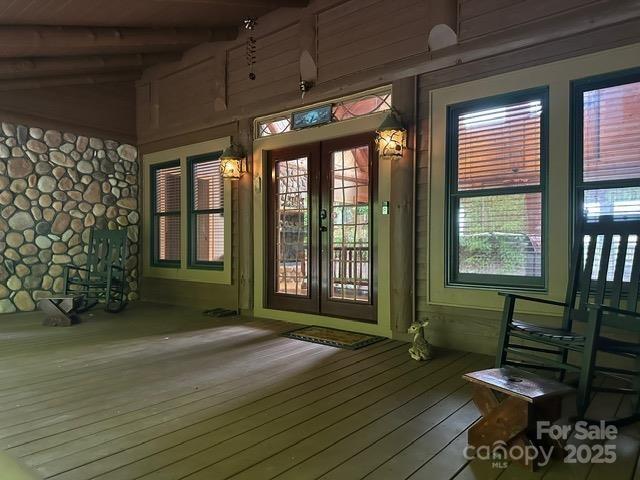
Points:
x=292, y=227
x=349, y=243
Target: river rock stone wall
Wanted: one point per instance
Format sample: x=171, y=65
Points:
x=54, y=187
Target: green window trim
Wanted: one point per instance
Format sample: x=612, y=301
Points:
x=578, y=185
x=154, y=233
x=454, y=196
x=193, y=263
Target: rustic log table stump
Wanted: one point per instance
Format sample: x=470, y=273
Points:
x=511, y=401
x=61, y=310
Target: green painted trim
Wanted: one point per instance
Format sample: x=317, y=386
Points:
x=192, y=161
x=153, y=231
x=453, y=195
x=182, y=271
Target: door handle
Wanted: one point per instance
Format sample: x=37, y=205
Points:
x=323, y=216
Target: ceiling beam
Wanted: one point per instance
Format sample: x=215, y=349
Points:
x=55, y=66
x=40, y=41
x=270, y=4
x=68, y=80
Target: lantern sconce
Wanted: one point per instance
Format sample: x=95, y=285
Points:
x=233, y=161
x=391, y=137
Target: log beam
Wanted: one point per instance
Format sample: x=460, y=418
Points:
x=56, y=66
x=246, y=3
x=67, y=80
x=42, y=41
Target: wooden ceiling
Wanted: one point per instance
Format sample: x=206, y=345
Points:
x=66, y=42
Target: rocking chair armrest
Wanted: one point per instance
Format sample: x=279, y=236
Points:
x=532, y=299
x=619, y=311
x=74, y=267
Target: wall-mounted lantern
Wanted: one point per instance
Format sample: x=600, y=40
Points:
x=391, y=137
x=233, y=161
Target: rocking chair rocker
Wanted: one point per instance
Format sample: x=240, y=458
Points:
x=104, y=276
x=603, y=292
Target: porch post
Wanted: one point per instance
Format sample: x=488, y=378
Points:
x=401, y=211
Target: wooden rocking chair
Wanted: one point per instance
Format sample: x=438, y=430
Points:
x=602, y=291
x=104, y=276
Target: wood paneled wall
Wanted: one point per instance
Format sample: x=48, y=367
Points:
x=104, y=110
x=485, y=17
x=276, y=68
x=349, y=40
x=363, y=34
x=361, y=44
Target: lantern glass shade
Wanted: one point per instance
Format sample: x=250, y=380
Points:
x=232, y=162
x=391, y=137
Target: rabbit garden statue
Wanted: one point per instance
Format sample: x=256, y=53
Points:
x=420, y=350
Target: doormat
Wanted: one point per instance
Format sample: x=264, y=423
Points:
x=333, y=337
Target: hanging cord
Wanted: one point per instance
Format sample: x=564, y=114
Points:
x=250, y=25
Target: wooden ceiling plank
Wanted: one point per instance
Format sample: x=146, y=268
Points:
x=53, y=66
x=67, y=80
x=267, y=4
x=40, y=41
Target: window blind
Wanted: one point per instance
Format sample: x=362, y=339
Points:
x=611, y=133
x=207, y=185
x=610, y=141
x=207, y=209
x=496, y=200
x=167, y=213
x=167, y=181
x=499, y=147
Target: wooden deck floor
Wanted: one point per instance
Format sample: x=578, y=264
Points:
x=163, y=393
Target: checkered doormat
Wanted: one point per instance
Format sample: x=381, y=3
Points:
x=333, y=337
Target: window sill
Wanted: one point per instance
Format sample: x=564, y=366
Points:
x=217, y=266
x=165, y=265
x=220, y=275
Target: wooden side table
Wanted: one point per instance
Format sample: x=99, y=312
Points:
x=60, y=310
x=511, y=401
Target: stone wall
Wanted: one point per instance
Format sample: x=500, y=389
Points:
x=55, y=186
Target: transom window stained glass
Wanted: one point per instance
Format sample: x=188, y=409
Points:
x=368, y=103
x=274, y=126
x=361, y=106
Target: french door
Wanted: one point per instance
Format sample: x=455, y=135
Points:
x=320, y=229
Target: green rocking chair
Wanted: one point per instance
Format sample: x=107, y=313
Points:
x=103, y=277
x=602, y=291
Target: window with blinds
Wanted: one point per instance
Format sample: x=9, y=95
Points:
x=607, y=146
x=496, y=163
x=206, y=243
x=165, y=200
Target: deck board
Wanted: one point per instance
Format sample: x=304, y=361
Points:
x=161, y=392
